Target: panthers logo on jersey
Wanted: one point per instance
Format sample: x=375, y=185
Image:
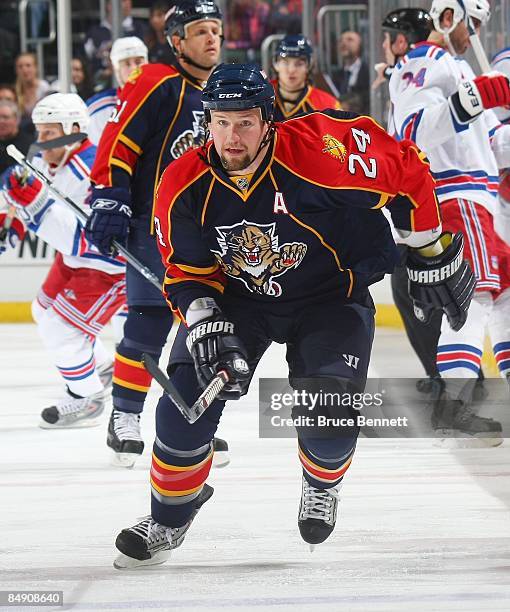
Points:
x=249, y=252
x=334, y=147
x=190, y=139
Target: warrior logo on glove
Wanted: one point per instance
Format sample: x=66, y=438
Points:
x=250, y=253
x=443, y=281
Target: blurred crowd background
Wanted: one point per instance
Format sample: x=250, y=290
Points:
x=347, y=37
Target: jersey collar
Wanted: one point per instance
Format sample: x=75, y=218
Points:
x=186, y=75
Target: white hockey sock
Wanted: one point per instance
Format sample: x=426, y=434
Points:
x=118, y=320
x=499, y=330
x=459, y=354
x=72, y=352
x=100, y=353
x=38, y=311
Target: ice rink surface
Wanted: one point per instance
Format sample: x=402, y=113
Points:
x=419, y=527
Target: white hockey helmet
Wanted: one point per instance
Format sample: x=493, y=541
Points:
x=478, y=9
x=64, y=108
x=124, y=48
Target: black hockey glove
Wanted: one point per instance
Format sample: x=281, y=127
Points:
x=214, y=346
x=109, y=219
x=443, y=281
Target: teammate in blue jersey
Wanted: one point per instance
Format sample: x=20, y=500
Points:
x=293, y=64
x=157, y=118
x=273, y=232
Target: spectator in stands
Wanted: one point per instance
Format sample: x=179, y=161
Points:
x=81, y=81
x=10, y=133
x=286, y=16
x=29, y=87
x=352, y=79
x=8, y=92
x=160, y=51
x=98, y=39
x=247, y=26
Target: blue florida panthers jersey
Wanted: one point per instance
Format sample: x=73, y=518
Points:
x=306, y=226
x=158, y=117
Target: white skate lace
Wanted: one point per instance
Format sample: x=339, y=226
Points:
x=73, y=405
x=127, y=425
x=153, y=533
x=318, y=503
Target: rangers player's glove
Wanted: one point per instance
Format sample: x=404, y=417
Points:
x=109, y=219
x=484, y=92
x=28, y=194
x=214, y=346
x=443, y=281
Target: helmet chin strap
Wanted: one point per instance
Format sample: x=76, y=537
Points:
x=291, y=91
x=446, y=33
x=68, y=151
x=187, y=60
x=448, y=42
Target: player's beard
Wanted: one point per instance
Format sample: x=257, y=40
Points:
x=234, y=165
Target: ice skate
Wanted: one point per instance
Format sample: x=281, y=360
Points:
x=149, y=543
x=73, y=412
x=124, y=438
x=431, y=385
x=317, y=513
x=221, y=456
x=456, y=424
x=105, y=373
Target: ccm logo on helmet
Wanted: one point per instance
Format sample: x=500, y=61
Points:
x=230, y=95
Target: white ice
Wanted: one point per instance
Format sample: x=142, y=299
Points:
x=420, y=527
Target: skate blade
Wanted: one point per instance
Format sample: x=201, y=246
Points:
x=125, y=460
x=220, y=459
x=312, y=547
x=447, y=438
x=78, y=425
x=123, y=562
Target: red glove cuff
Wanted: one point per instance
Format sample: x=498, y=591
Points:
x=494, y=90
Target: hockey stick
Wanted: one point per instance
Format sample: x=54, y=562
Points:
x=133, y=261
x=206, y=398
x=61, y=141
x=479, y=51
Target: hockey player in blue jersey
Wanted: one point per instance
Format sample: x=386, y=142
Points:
x=273, y=232
x=157, y=118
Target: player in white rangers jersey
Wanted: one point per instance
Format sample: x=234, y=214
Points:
x=127, y=54
x=501, y=63
x=83, y=288
x=440, y=105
